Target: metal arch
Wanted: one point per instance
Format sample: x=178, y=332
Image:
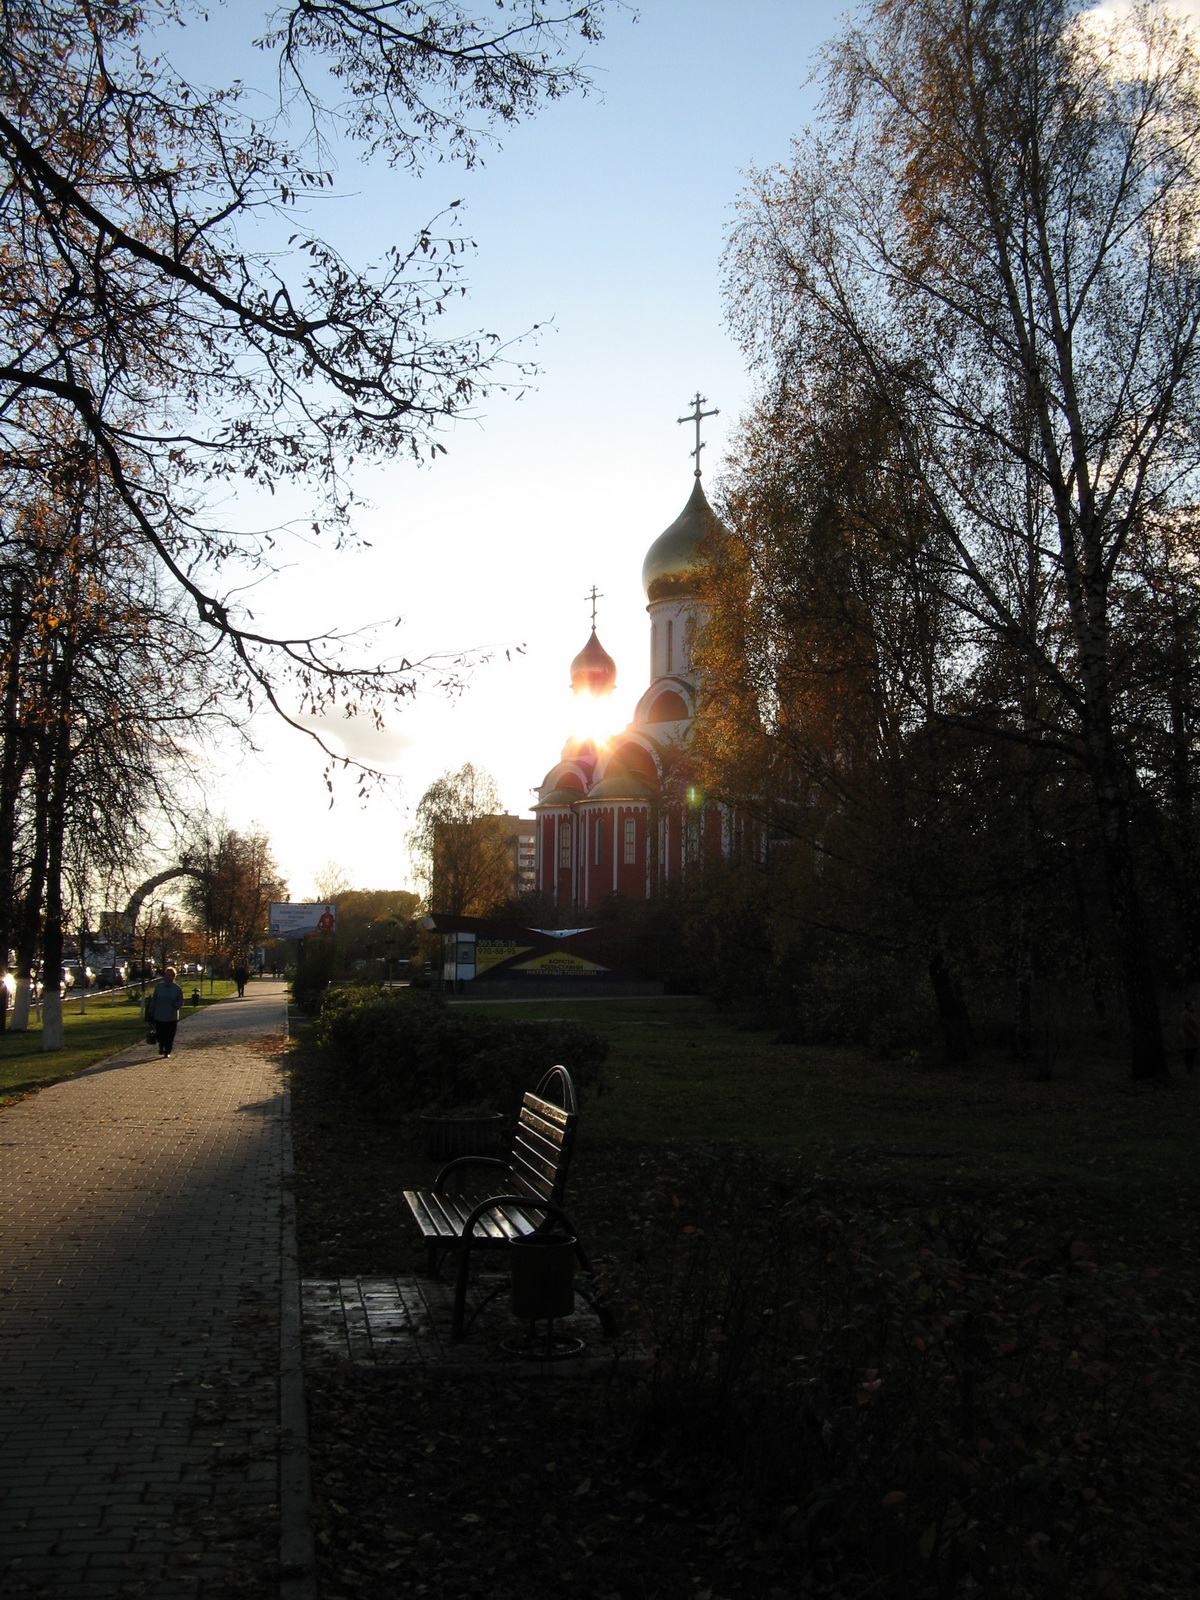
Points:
x=134, y=904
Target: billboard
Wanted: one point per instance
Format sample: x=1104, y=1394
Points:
x=301, y=919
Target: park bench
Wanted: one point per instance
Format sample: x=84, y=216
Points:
x=485, y=1203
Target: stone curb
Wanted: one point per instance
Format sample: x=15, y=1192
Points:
x=297, y=1561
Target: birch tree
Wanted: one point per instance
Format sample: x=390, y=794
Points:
x=990, y=243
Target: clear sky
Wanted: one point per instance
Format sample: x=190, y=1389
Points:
x=604, y=218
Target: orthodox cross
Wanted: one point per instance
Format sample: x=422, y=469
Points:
x=697, y=417
x=593, y=596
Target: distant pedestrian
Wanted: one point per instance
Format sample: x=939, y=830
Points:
x=164, y=1008
x=195, y=997
x=1189, y=1027
x=240, y=974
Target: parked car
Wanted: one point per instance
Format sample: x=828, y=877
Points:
x=112, y=977
x=81, y=977
x=67, y=981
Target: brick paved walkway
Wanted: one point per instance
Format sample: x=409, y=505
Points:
x=140, y=1238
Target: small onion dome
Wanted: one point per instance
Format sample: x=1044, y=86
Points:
x=676, y=557
x=621, y=786
x=593, y=670
x=559, y=797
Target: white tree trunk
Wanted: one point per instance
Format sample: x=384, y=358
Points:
x=19, y=1021
x=52, y=1020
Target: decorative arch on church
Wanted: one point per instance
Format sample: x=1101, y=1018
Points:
x=667, y=707
x=667, y=700
x=567, y=775
x=632, y=756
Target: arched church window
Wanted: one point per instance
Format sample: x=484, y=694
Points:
x=599, y=841
x=564, y=842
x=670, y=646
x=631, y=839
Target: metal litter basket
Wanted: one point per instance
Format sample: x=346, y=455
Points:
x=543, y=1288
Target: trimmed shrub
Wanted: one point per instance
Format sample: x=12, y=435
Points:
x=312, y=976
x=406, y=1051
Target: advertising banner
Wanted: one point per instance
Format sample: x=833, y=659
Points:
x=301, y=919
x=488, y=952
x=559, y=964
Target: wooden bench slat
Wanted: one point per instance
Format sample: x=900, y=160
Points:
x=533, y=1105
x=552, y=1134
x=426, y=1207
x=502, y=1222
x=518, y=1183
x=542, y=1174
x=442, y=1217
x=542, y=1137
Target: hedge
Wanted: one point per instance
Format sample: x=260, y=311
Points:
x=406, y=1051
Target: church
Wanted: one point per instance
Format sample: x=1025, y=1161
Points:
x=621, y=815
x=617, y=817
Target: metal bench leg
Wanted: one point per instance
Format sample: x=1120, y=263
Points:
x=594, y=1296
x=461, y=1277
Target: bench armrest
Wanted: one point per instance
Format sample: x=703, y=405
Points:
x=467, y=1161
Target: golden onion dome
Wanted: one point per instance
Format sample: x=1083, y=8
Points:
x=593, y=670
x=676, y=558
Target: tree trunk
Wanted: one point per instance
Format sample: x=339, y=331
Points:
x=1148, y=1057
x=958, y=1035
x=22, y=997
x=52, y=934
x=1112, y=788
x=56, y=831
x=29, y=920
x=11, y=769
x=1023, y=963
x=52, y=1015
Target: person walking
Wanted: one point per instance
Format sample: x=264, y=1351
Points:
x=165, y=1004
x=240, y=974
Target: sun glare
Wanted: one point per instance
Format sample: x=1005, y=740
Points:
x=594, y=719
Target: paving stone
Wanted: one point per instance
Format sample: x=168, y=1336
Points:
x=139, y=1344
x=405, y=1322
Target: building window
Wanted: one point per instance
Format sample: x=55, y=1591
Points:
x=630, y=841
x=564, y=842
x=599, y=841
x=670, y=647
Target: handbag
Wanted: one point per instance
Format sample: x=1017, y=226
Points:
x=151, y=1036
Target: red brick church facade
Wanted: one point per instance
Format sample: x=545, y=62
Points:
x=622, y=817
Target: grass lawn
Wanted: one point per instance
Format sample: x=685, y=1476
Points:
x=920, y=1333
x=95, y=1025
x=683, y=1074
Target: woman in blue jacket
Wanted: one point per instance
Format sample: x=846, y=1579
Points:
x=164, y=1008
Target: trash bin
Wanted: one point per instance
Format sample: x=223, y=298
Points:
x=543, y=1276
